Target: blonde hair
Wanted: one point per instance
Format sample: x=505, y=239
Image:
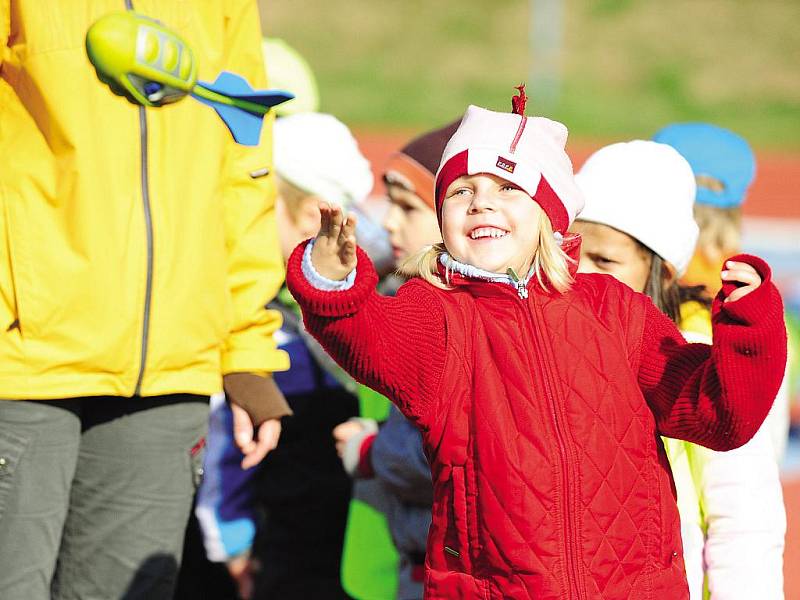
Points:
x=550, y=262
x=720, y=231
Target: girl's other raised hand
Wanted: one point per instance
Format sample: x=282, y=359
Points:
x=741, y=274
x=334, y=252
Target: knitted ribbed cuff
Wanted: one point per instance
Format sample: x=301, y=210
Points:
x=320, y=281
x=330, y=304
x=761, y=305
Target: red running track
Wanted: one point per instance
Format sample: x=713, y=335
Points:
x=774, y=193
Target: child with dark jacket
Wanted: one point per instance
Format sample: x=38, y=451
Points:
x=280, y=526
x=393, y=454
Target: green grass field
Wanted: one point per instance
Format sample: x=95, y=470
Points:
x=626, y=66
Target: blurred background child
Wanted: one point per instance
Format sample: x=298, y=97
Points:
x=280, y=527
x=393, y=455
x=637, y=226
x=724, y=167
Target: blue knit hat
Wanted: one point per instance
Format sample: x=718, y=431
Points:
x=722, y=161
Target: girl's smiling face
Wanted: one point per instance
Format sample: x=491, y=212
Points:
x=490, y=223
x=411, y=223
x=608, y=250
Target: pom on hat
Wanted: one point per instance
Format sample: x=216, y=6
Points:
x=646, y=190
x=722, y=161
x=317, y=153
x=527, y=151
x=418, y=160
x=518, y=102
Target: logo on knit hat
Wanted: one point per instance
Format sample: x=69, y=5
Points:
x=505, y=164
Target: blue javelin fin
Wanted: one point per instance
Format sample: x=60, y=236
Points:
x=244, y=125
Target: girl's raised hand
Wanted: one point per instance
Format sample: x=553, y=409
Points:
x=334, y=252
x=743, y=274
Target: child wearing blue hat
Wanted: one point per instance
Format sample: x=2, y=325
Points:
x=724, y=167
x=638, y=226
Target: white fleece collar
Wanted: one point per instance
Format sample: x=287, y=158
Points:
x=451, y=265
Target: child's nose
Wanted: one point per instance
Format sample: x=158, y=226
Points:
x=390, y=219
x=481, y=202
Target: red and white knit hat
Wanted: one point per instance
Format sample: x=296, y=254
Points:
x=527, y=151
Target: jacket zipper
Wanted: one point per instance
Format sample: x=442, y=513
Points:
x=148, y=223
x=569, y=528
x=522, y=289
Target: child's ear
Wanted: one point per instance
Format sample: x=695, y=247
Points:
x=307, y=216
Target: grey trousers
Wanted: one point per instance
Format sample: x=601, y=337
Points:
x=95, y=495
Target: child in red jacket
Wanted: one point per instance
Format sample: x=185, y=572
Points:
x=546, y=484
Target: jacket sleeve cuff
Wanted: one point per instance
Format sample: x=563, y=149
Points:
x=319, y=281
x=252, y=361
x=762, y=303
x=327, y=303
x=356, y=450
x=257, y=395
x=365, y=469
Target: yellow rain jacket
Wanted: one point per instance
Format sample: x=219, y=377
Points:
x=137, y=247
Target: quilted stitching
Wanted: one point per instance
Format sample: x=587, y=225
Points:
x=620, y=423
x=492, y=415
x=612, y=433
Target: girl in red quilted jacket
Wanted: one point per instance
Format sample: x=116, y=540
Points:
x=541, y=395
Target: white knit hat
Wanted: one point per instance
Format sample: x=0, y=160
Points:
x=646, y=190
x=318, y=154
x=527, y=151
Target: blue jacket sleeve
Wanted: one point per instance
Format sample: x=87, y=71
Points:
x=399, y=461
x=225, y=499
